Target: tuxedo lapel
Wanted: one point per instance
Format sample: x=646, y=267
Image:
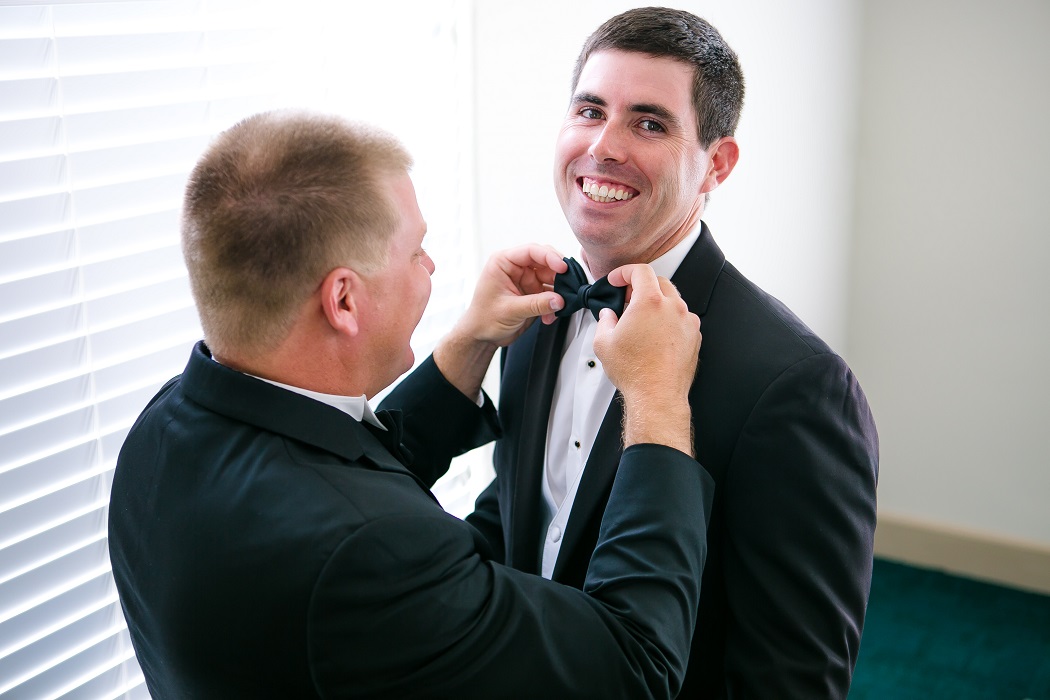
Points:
x=695, y=280
x=525, y=517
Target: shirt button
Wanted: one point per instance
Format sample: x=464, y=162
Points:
x=555, y=533
x=590, y=363
x=577, y=443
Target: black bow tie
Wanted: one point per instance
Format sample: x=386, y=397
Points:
x=573, y=287
x=391, y=437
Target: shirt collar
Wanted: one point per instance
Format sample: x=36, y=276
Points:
x=356, y=407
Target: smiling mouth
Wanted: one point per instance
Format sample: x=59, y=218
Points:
x=606, y=192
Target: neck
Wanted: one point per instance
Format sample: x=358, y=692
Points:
x=301, y=363
x=603, y=261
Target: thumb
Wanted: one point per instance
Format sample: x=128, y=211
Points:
x=607, y=321
x=532, y=305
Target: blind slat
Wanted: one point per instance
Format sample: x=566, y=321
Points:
x=79, y=669
x=36, y=254
x=41, y=441
x=20, y=58
x=65, y=642
x=136, y=124
x=22, y=138
x=32, y=588
x=30, y=97
x=107, y=240
x=118, y=164
x=33, y=406
x=23, y=21
x=122, y=681
x=53, y=508
x=20, y=298
x=41, y=330
x=32, y=369
x=44, y=619
x=45, y=213
x=46, y=545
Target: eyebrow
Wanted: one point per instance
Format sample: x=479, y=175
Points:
x=640, y=108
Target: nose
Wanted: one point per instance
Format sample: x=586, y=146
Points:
x=609, y=145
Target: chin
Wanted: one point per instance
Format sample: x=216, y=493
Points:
x=410, y=359
x=595, y=235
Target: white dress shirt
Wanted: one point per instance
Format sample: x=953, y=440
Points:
x=357, y=407
x=582, y=395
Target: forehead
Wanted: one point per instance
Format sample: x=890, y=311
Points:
x=629, y=77
x=402, y=195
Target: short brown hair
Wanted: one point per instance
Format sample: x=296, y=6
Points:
x=277, y=202
x=718, y=81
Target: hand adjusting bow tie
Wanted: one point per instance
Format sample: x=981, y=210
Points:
x=391, y=437
x=573, y=287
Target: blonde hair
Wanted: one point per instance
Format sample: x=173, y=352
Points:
x=277, y=202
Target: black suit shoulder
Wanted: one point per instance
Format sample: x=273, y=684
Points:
x=766, y=334
x=785, y=429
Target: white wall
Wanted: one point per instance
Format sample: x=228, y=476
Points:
x=783, y=217
x=950, y=288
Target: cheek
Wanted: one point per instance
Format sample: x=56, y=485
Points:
x=676, y=180
x=571, y=143
x=425, y=288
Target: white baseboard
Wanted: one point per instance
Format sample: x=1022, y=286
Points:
x=1012, y=562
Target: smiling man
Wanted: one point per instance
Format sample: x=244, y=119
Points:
x=778, y=418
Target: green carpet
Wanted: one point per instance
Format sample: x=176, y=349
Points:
x=931, y=635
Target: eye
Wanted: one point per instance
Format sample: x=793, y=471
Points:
x=590, y=113
x=651, y=126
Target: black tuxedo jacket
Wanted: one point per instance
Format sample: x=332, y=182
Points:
x=266, y=545
x=783, y=426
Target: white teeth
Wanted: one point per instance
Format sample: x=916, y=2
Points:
x=604, y=193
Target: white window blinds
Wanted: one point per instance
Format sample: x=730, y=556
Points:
x=104, y=108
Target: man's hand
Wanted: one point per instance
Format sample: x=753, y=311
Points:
x=650, y=355
x=514, y=288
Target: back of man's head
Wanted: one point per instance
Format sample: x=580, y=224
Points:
x=718, y=81
x=278, y=201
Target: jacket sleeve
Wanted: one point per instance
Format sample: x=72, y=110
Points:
x=440, y=423
x=486, y=518
x=800, y=523
x=407, y=607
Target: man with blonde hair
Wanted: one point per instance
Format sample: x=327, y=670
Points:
x=272, y=536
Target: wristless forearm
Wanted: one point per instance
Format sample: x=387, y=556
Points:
x=464, y=362
x=661, y=422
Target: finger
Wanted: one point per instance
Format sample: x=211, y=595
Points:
x=668, y=288
x=606, y=323
x=639, y=276
x=532, y=305
x=534, y=255
x=619, y=276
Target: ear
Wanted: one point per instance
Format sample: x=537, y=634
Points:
x=339, y=290
x=722, y=157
